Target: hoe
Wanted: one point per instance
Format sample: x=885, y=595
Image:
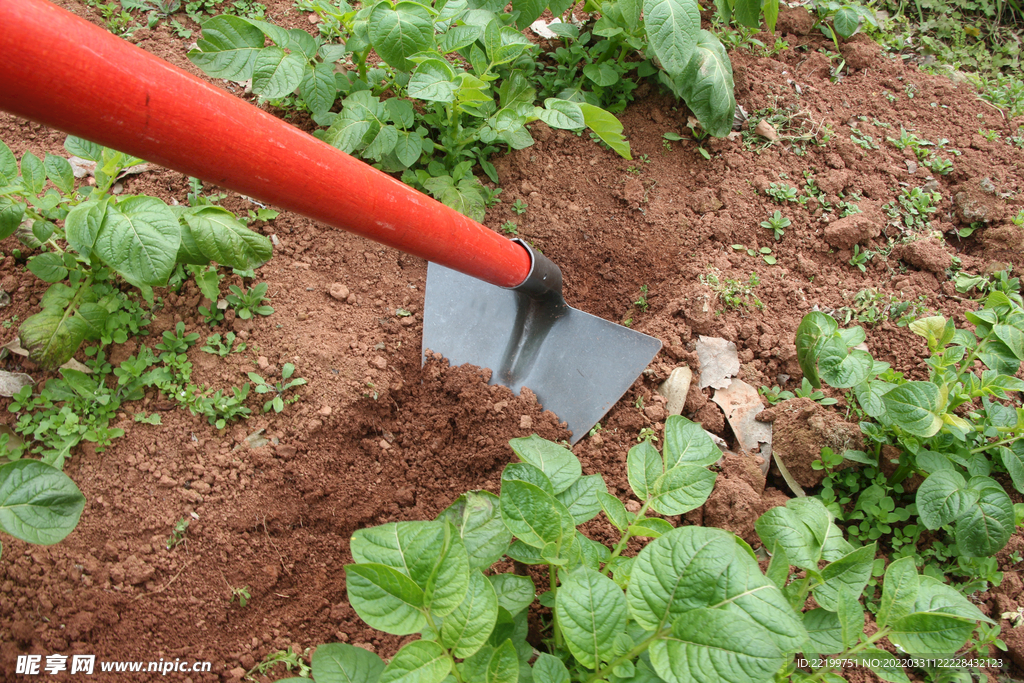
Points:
x=490, y=301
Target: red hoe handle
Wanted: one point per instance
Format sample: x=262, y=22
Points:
x=64, y=72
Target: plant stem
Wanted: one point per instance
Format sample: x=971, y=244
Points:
x=553, y=582
x=622, y=543
x=601, y=674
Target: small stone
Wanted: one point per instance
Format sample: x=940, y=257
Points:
x=655, y=413
x=526, y=422
x=302, y=315
x=406, y=497
x=500, y=406
x=379, y=362
x=262, y=363
x=313, y=19
x=339, y=291
x=384, y=445
x=236, y=673
x=675, y=389
x=284, y=452
x=325, y=411
x=247, y=661
x=633, y=506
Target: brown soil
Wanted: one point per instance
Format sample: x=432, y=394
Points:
x=377, y=438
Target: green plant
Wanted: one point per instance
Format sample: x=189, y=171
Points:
x=250, y=301
x=860, y=258
x=863, y=140
x=519, y=207
x=953, y=429
x=782, y=192
x=278, y=402
x=775, y=394
x=177, y=536
x=137, y=239
x=641, y=302
x=806, y=390
x=291, y=660
x=242, y=595
x=776, y=223
x=915, y=207
x=38, y=503
x=869, y=306
x=733, y=294
x=509, y=228
x=764, y=252
x=216, y=346
x=692, y=602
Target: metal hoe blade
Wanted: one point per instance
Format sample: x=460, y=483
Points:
x=577, y=364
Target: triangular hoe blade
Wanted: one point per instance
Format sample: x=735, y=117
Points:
x=577, y=364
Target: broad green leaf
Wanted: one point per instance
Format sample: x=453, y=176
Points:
x=319, y=87
x=686, y=443
x=276, y=74
x=477, y=518
x=401, y=32
x=614, y=510
x=935, y=596
x=930, y=633
x=94, y=319
x=591, y=611
x=709, y=645
x=8, y=165
x=465, y=197
x=559, y=464
x=82, y=225
x=80, y=147
x=778, y=566
x=682, y=489
x=33, y=174
x=943, y=497
x=606, y=126
x=465, y=630
x=1012, y=336
x=812, y=333
x=852, y=571
x=208, y=281
x=650, y=527
x=515, y=593
x=48, y=267
x=382, y=144
x=139, y=238
x=869, y=396
x=38, y=503
x=846, y=21
x=504, y=664
x=458, y=37
x=549, y=669
x=748, y=13
x=1013, y=461
x=581, y=497
x=695, y=567
x=914, y=407
x=11, y=214
x=528, y=10
x=706, y=84
x=843, y=367
x=526, y=554
x=189, y=251
x=672, y=29
x=824, y=632
x=602, y=74
x=385, y=598
x=643, y=467
x=524, y=471
x=400, y=112
x=561, y=114
x=851, y=615
x=223, y=239
x=227, y=49
x=798, y=528
x=52, y=336
x=408, y=147
x=899, y=591
x=344, y=663
x=985, y=526
x=533, y=516
x=420, y=661
x=434, y=81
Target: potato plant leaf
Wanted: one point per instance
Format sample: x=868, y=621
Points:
x=514, y=592
x=222, y=238
x=420, y=661
x=852, y=571
x=686, y=443
x=477, y=518
x=467, y=628
x=580, y=499
x=943, y=497
x=591, y=611
x=606, y=127
x=227, y=49
x=899, y=591
x=11, y=214
x=812, y=333
x=139, y=239
x=275, y=73
x=672, y=29
x=344, y=662
x=986, y=524
x=385, y=598
x=682, y=489
x=319, y=87
x=559, y=464
x=401, y=32
x=914, y=407
x=38, y=503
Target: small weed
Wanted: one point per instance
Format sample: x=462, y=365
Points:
x=246, y=303
x=278, y=402
x=152, y=419
x=242, y=595
x=9, y=323
x=775, y=394
x=860, y=258
x=646, y=434
x=764, y=252
x=776, y=223
x=863, y=140
x=291, y=660
x=641, y=302
x=990, y=135
x=177, y=536
x=734, y=294
x=217, y=346
x=595, y=429
x=509, y=228
x=519, y=207
x=807, y=391
x=871, y=307
x=782, y=192
x=914, y=207
x=828, y=460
